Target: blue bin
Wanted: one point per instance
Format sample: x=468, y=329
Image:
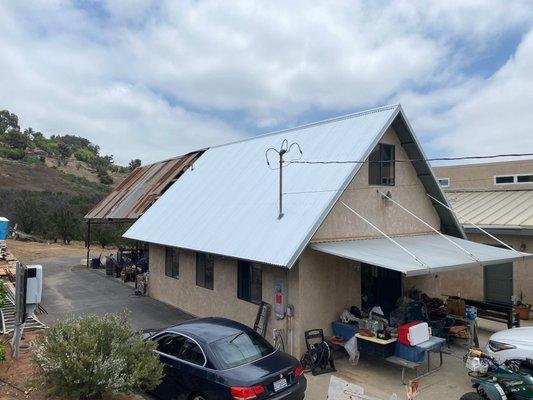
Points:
x=345, y=331
x=410, y=353
x=4, y=228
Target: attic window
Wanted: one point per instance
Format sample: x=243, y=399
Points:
x=381, y=165
x=444, y=182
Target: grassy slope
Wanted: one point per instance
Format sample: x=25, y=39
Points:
x=18, y=175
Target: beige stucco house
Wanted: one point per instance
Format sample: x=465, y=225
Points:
x=218, y=245
x=497, y=197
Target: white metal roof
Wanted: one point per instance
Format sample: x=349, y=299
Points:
x=227, y=203
x=433, y=250
x=506, y=209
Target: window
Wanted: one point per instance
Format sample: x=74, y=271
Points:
x=444, y=182
x=249, y=282
x=204, y=270
x=524, y=178
x=500, y=180
x=175, y=345
x=381, y=165
x=172, y=262
x=241, y=348
x=512, y=179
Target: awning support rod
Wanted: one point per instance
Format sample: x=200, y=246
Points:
x=477, y=227
x=418, y=260
x=473, y=257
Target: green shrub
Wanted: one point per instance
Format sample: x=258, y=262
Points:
x=14, y=154
x=82, y=154
x=2, y=351
x=92, y=355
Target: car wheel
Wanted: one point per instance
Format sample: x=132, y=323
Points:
x=197, y=396
x=472, y=396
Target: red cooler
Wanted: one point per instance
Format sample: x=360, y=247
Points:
x=413, y=333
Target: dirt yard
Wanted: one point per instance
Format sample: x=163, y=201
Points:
x=29, y=251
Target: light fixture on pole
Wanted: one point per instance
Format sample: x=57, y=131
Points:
x=285, y=148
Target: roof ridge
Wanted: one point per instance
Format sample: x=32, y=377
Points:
x=312, y=124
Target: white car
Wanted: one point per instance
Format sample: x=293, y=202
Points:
x=511, y=344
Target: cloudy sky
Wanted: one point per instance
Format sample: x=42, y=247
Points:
x=153, y=79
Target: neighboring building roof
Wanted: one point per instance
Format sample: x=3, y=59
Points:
x=435, y=253
x=228, y=204
x=494, y=209
x=133, y=196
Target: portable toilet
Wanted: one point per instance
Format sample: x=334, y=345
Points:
x=4, y=228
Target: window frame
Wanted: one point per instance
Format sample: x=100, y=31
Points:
x=172, y=270
x=177, y=334
x=514, y=177
x=249, y=286
x=379, y=149
x=448, y=180
x=209, y=260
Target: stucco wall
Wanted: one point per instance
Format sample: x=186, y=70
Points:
x=469, y=282
x=481, y=176
x=363, y=198
x=222, y=300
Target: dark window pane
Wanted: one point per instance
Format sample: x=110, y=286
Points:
x=243, y=280
x=170, y=344
x=505, y=179
x=381, y=165
x=524, y=178
x=374, y=167
x=256, y=285
x=204, y=270
x=172, y=267
x=191, y=352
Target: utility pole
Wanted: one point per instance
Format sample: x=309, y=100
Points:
x=284, y=149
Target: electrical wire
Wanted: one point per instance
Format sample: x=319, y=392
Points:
x=414, y=159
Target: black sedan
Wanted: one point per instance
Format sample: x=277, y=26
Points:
x=217, y=359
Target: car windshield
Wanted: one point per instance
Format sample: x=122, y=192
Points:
x=241, y=348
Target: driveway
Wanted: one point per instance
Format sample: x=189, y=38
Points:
x=70, y=288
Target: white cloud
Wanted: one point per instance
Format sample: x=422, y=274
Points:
x=152, y=79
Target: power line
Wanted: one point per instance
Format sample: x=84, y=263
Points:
x=414, y=159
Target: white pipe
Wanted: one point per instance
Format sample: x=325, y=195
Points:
x=387, y=236
x=432, y=228
x=477, y=227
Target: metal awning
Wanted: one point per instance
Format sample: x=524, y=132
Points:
x=432, y=252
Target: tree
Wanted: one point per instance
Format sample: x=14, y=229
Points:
x=65, y=220
x=91, y=355
x=8, y=121
x=28, y=212
x=134, y=164
x=16, y=139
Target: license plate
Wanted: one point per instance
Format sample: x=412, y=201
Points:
x=279, y=385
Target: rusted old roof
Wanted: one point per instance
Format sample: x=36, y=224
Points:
x=141, y=189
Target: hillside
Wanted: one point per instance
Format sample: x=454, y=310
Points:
x=18, y=175
x=47, y=184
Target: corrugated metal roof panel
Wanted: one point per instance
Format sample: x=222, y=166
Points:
x=433, y=250
x=140, y=189
x=497, y=208
x=228, y=205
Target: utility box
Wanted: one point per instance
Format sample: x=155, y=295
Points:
x=4, y=228
x=34, y=284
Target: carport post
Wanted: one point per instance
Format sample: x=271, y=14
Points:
x=88, y=240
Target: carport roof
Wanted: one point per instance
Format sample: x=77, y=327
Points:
x=433, y=251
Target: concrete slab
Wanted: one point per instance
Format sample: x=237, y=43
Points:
x=73, y=289
x=381, y=379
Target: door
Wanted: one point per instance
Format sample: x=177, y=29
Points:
x=380, y=286
x=498, y=283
